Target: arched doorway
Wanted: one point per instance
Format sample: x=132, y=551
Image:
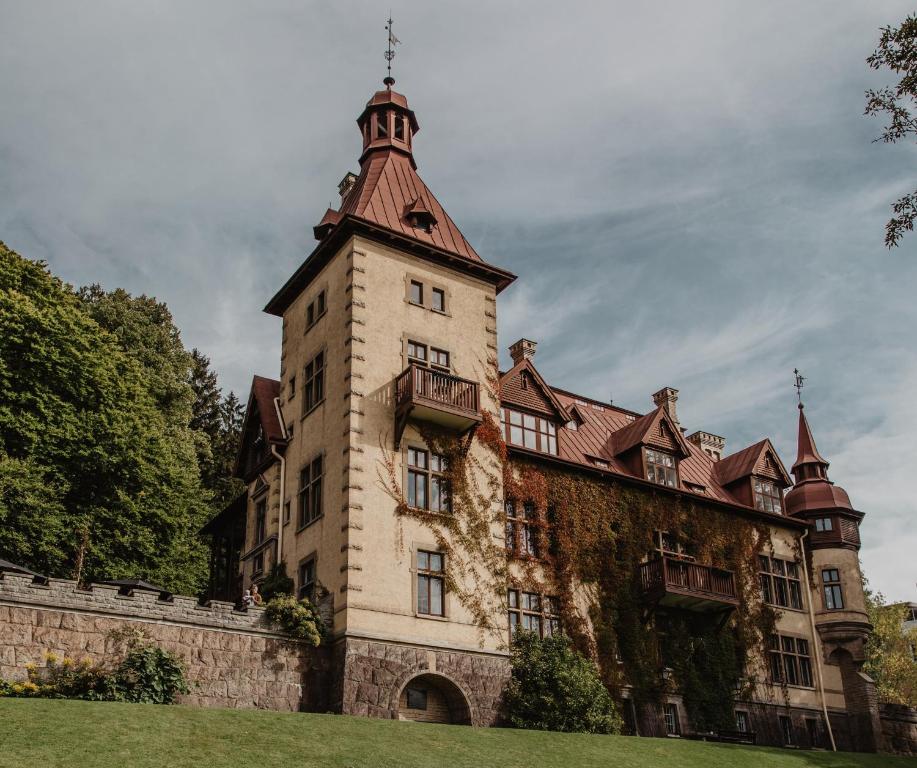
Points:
x=432, y=698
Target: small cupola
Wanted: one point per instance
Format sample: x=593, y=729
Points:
x=387, y=123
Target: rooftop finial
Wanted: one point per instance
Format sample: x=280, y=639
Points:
x=389, y=81
x=799, y=385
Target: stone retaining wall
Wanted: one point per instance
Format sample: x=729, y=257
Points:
x=232, y=658
x=899, y=728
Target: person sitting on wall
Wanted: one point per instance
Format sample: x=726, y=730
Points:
x=256, y=595
x=247, y=600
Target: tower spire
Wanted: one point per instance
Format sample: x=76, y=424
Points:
x=389, y=54
x=810, y=464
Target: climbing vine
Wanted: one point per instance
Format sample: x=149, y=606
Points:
x=593, y=533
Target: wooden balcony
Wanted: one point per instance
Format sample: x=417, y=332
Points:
x=680, y=583
x=437, y=397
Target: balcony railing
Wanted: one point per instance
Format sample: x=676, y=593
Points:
x=435, y=396
x=684, y=583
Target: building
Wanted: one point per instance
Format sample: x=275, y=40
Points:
x=431, y=503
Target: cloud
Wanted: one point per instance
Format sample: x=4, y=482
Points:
x=688, y=192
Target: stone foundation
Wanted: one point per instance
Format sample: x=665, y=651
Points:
x=370, y=676
x=899, y=728
x=232, y=658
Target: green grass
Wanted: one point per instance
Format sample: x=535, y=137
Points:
x=47, y=734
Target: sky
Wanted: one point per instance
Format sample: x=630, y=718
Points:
x=689, y=193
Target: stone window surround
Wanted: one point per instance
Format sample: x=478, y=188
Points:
x=318, y=290
x=313, y=556
x=308, y=464
x=418, y=445
x=839, y=584
x=323, y=350
x=428, y=546
x=428, y=287
x=422, y=339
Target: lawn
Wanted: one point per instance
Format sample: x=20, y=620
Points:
x=47, y=734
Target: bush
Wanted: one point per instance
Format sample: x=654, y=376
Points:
x=299, y=618
x=554, y=688
x=147, y=674
x=277, y=583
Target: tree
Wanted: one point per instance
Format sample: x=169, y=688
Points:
x=897, y=51
x=891, y=654
x=98, y=464
x=554, y=688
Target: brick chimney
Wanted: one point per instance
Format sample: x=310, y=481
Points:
x=346, y=184
x=713, y=445
x=667, y=397
x=522, y=350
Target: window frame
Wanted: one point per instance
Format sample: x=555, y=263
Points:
x=520, y=610
x=309, y=506
x=441, y=292
x=541, y=430
x=824, y=524
x=433, y=473
x=743, y=721
x=670, y=714
x=653, y=467
x=419, y=285
x=521, y=533
x=426, y=576
x=314, y=382
x=832, y=589
x=789, y=661
x=779, y=576
x=767, y=495
x=301, y=584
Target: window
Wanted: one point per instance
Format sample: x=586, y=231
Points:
x=306, y=580
x=315, y=310
x=780, y=582
x=417, y=352
x=532, y=432
x=310, y=492
x=767, y=496
x=742, y=722
x=789, y=660
x=670, y=716
x=439, y=300
x=314, y=389
x=381, y=125
x=522, y=529
x=439, y=358
x=260, y=521
x=416, y=292
x=533, y=612
x=660, y=467
x=427, y=482
x=258, y=564
x=399, y=134
x=834, y=597
x=824, y=524
x=786, y=729
x=813, y=731
x=286, y=512
x=292, y=387
x=416, y=698
x=430, y=583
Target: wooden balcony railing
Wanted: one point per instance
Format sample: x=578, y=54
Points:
x=674, y=581
x=435, y=396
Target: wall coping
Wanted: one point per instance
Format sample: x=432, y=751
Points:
x=105, y=600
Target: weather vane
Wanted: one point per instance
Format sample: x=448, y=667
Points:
x=390, y=53
x=799, y=384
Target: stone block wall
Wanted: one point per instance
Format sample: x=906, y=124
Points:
x=899, y=728
x=232, y=658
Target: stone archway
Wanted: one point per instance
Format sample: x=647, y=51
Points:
x=429, y=697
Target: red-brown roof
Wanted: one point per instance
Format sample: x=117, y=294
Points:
x=264, y=391
x=758, y=459
x=655, y=427
x=606, y=427
x=807, y=453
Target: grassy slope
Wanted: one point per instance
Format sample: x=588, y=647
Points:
x=48, y=734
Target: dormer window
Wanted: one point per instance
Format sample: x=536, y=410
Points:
x=661, y=468
x=533, y=432
x=767, y=496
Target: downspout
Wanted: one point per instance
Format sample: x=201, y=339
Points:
x=816, y=641
x=283, y=486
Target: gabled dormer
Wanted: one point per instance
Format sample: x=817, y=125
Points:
x=530, y=413
x=651, y=447
x=755, y=476
x=261, y=428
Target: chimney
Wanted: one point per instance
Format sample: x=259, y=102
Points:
x=522, y=350
x=667, y=397
x=713, y=445
x=346, y=184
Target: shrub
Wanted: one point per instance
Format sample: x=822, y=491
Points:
x=277, y=582
x=554, y=688
x=299, y=618
x=150, y=675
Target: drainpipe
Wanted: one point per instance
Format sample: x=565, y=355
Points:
x=283, y=486
x=816, y=641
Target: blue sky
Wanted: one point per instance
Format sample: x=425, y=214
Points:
x=688, y=191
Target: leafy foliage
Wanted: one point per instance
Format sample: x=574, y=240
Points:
x=299, y=618
x=554, y=688
x=147, y=674
x=897, y=51
x=102, y=432
x=891, y=654
x=277, y=582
